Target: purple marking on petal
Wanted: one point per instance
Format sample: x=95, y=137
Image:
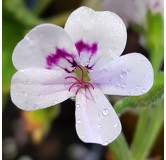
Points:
x=82, y=46
x=54, y=58
x=86, y=48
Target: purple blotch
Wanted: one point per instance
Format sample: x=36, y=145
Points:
x=54, y=58
x=82, y=46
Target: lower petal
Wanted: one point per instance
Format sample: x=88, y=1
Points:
x=33, y=89
x=131, y=74
x=96, y=120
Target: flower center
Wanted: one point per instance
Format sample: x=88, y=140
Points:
x=81, y=81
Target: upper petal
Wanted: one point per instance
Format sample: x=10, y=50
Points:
x=131, y=74
x=96, y=120
x=45, y=46
x=96, y=33
x=34, y=88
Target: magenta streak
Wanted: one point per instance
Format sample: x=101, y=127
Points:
x=79, y=89
x=83, y=46
x=86, y=48
x=80, y=83
x=54, y=58
x=74, y=85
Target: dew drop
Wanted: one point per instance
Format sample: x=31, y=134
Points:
x=143, y=75
x=123, y=85
x=78, y=105
x=123, y=73
x=78, y=121
x=118, y=84
x=143, y=90
x=27, y=81
x=115, y=125
x=105, y=69
x=105, y=112
x=99, y=125
x=95, y=97
x=56, y=101
x=18, y=97
x=137, y=87
x=24, y=93
x=106, y=141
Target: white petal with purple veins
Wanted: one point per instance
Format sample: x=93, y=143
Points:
x=96, y=34
x=96, y=120
x=33, y=89
x=131, y=74
x=45, y=46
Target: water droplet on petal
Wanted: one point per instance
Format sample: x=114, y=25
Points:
x=78, y=121
x=24, y=93
x=95, y=97
x=105, y=112
x=128, y=94
x=137, y=87
x=27, y=81
x=123, y=73
x=78, y=105
x=143, y=75
x=123, y=85
x=105, y=70
x=118, y=84
x=99, y=125
x=115, y=125
x=18, y=97
x=56, y=101
x=143, y=90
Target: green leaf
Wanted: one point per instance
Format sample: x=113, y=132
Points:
x=146, y=100
x=58, y=19
x=12, y=32
x=41, y=6
x=154, y=36
x=147, y=130
x=119, y=148
x=19, y=10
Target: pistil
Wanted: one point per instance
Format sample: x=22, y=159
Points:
x=81, y=83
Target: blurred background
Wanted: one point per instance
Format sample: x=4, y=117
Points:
x=49, y=134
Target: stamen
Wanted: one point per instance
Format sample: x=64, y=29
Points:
x=74, y=85
x=81, y=83
x=79, y=89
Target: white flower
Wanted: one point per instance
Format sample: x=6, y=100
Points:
x=49, y=58
x=133, y=11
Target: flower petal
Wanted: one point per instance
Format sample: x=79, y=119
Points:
x=34, y=88
x=95, y=34
x=96, y=120
x=131, y=74
x=45, y=46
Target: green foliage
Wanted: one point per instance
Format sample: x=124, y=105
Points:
x=12, y=32
x=41, y=6
x=148, y=127
x=120, y=148
x=19, y=10
x=146, y=100
x=154, y=36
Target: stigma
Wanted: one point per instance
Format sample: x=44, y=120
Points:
x=80, y=81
